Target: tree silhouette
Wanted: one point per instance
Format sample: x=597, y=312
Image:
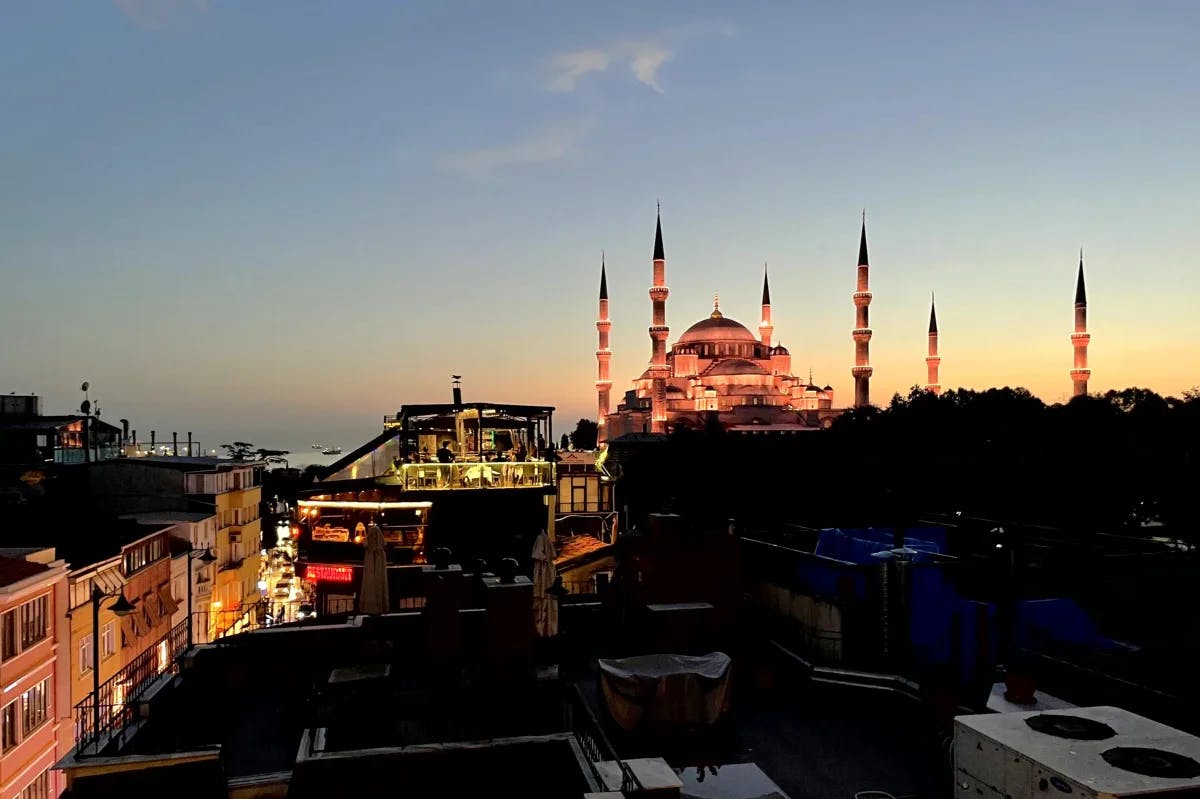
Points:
x=585, y=435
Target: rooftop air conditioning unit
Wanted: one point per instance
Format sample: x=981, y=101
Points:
x=1081, y=753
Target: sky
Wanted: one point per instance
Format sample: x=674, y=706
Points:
x=280, y=220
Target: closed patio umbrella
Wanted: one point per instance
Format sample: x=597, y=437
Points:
x=545, y=607
x=373, y=595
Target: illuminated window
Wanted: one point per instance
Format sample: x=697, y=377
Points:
x=164, y=656
x=35, y=707
x=85, y=653
x=108, y=640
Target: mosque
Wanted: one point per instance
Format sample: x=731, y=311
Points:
x=719, y=370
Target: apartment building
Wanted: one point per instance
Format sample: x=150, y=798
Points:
x=35, y=728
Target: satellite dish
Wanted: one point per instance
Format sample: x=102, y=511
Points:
x=85, y=407
x=85, y=386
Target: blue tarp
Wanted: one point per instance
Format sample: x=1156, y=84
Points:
x=858, y=545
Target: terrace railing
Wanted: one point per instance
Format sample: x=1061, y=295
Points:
x=595, y=745
x=494, y=474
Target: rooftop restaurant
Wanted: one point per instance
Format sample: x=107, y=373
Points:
x=454, y=446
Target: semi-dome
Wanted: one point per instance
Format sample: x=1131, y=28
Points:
x=780, y=350
x=717, y=329
x=735, y=366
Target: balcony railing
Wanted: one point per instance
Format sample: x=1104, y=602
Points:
x=120, y=694
x=496, y=474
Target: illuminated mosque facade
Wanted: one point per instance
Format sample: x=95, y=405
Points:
x=719, y=371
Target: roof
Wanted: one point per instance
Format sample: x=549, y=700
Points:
x=508, y=408
x=603, y=280
x=862, y=244
x=766, y=300
x=1080, y=291
x=658, y=247
x=932, y=315
x=172, y=516
x=356, y=453
x=14, y=570
x=50, y=422
x=717, y=329
x=734, y=366
x=190, y=463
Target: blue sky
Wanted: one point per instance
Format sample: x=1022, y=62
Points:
x=281, y=220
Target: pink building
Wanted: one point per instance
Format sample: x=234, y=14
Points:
x=35, y=723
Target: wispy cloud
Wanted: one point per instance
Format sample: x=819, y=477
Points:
x=568, y=68
x=557, y=142
x=158, y=14
x=644, y=56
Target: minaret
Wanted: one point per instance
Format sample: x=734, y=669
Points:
x=765, y=328
x=1080, y=338
x=658, y=334
x=603, y=355
x=932, y=361
x=862, y=332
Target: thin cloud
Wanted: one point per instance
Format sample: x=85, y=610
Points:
x=570, y=67
x=557, y=142
x=158, y=14
x=643, y=56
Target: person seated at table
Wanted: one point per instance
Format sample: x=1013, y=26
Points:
x=518, y=454
x=444, y=455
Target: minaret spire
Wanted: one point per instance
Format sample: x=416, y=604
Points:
x=765, y=328
x=932, y=360
x=862, y=371
x=603, y=356
x=1081, y=337
x=659, y=370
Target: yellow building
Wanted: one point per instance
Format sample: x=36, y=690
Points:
x=232, y=490
x=237, y=496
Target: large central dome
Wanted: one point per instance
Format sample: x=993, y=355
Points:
x=717, y=328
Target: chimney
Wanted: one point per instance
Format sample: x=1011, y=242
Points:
x=152, y=442
x=174, y=443
x=457, y=389
x=135, y=439
x=124, y=431
x=189, y=443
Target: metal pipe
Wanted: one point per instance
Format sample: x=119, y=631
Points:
x=97, y=595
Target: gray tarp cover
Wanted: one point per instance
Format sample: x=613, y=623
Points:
x=666, y=692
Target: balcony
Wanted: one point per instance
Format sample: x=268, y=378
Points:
x=451, y=476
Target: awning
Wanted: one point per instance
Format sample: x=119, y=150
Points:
x=168, y=601
x=128, y=630
x=151, y=608
x=110, y=581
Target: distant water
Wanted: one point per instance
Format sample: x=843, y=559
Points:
x=302, y=457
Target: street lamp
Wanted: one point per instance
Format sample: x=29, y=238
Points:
x=121, y=607
x=205, y=556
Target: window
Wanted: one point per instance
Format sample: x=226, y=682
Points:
x=108, y=640
x=42, y=440
x=8, y=635
x=25, y=626
x=86, y=650
x=33, y=621
x=8, y=727
x=35, y=707
x=39, y=788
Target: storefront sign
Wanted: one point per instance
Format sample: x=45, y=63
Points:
x=326, y=573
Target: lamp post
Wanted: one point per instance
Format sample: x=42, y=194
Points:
x=121, y=607
x=205, y=556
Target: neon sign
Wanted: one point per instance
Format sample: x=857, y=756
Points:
x=326, y=573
